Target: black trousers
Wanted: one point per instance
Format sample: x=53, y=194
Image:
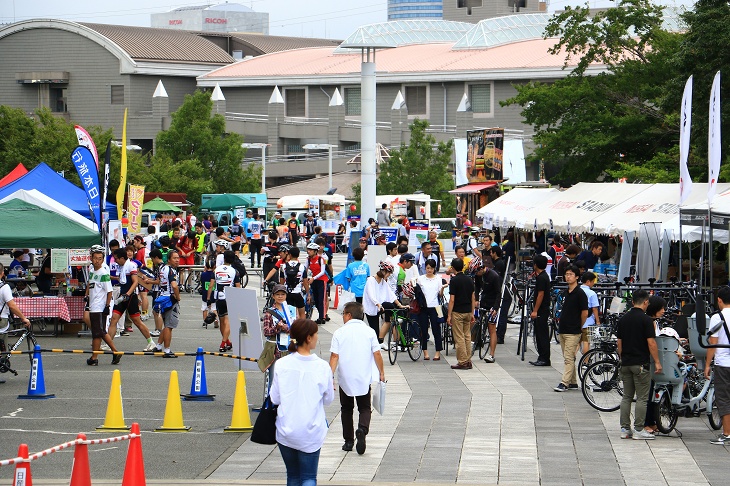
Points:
x=254, y=248
x=542, y=337
x=347, y=407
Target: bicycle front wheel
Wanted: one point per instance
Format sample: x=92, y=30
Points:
x=665, y=413
x=392, y=345
x=602, y=387
x=593, y=356
x=483, y=338
x=713, y=414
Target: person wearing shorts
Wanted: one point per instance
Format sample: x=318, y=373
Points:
x=588, y=280
x=719, y=334
x=128, y=300
x=98, y=298
x=207, y=280
x=225, y=276
x=167, y=303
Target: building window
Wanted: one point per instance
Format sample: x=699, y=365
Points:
x=295, y=102
x=117, y=94
x=352, y=101
x=480, y=97
x=416, y=100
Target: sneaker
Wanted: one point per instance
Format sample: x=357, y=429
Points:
x=573, y=386
x=326, y=318
x=123, y=332
x=105, y=347
x=347, y=446
x=360, y=436
x=216, y=324
x=626, y=433
x=169, y=355
x=116, y=335
x=116, y=359
x=150, y=347
x=643, y=435
x=383, y=346
x=229, y=345
x=222, y=347
x=489, y=358
x=129, y=329
x=722, y=439
x=155, y=333
x=92, y=362
x=560, y=388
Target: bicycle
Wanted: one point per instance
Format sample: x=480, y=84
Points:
x=604, y=348
x=26, y=334
x=602, y=386
x=480, y=334
x=404, y=334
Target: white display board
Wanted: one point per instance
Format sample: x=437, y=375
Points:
x=243, y=312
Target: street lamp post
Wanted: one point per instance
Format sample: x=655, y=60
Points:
x=322, y=146
x=261, y=146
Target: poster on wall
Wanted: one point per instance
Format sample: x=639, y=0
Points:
x=115, y=231
x=493, y=153
x=475, y=156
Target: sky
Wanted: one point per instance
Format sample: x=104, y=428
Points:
x=334, y=19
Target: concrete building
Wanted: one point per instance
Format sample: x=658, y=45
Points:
x=475, y=10
x=415, y=9
x=224, y=17
x=89, y=73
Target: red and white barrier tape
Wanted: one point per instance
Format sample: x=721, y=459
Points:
x=60, y=447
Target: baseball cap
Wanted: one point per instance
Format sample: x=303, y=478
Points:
x=408, y=257
x=278, y=288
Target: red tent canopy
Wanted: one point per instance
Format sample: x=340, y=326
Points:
x=15, y=174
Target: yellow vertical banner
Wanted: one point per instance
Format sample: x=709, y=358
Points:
x=135, y=201
x=123, y=171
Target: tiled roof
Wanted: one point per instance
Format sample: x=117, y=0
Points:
x=266, y=44
x=149, y=44
x=422, y=58
x=343, y=181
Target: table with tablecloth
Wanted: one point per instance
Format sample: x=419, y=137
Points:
x=67, y=308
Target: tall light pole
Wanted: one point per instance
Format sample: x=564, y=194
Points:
x=261, y=146
x=322, y=146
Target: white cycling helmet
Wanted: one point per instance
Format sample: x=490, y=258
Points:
x=313, y=246
x=223, y=243
x=97, y=249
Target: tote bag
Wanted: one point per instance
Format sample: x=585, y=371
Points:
x=264, y=430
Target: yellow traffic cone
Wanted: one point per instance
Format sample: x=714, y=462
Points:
x=173, y=421
x=114, y=421
x=241, y=420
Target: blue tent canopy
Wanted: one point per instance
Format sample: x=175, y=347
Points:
x=49, y=182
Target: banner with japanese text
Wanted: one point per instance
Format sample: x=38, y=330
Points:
x=85, y=164
x=135, y=201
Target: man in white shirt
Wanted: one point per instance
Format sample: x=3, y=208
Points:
x=99, y=297
x=225, y=276
x=720, y=335
x=355, y=357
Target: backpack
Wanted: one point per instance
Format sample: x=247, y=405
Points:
x=291, y=276
x=164, y=252
x=239, y=266
x=293, y=226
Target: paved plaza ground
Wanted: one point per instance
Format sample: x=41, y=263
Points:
x=498, y=423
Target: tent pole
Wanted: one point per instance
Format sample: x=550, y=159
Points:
x=711, y=247
x=680, y=246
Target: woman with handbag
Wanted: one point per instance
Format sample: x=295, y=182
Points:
x=277, y=320
x=301, y=388
x=431, y=287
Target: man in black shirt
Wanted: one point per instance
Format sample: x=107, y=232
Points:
x=636, y=343
x=501, y=268
x=461, y=313
x=591, y=257
x=491, y=294
x=541, y=311
x=572, y=317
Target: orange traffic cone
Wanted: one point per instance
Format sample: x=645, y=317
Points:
x=134, y=467
x=80, y=472
x=22, y=475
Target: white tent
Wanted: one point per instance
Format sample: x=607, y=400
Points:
x=657, y=204
x=39, y=199
x=517, y=206
x=567, y=211
x=302, y=201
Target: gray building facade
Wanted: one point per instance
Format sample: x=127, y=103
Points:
x=475, y=10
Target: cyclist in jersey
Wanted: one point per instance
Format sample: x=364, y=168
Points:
x=255, y=241
x=128, y=300
x=291, y=275
x=152, y=284
x=556, y=252
x=207, y=280
x=167, y=303
x=293, y=225
x=237, y=234
x=225, y=276
x=325, y=251
x=98, y=298
x=318, y=266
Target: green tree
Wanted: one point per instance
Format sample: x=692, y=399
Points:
x=617, y=123
x=421, y=165
x=195, y=135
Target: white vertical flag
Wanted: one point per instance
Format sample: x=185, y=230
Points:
x=714, y=149
x=685, y=181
